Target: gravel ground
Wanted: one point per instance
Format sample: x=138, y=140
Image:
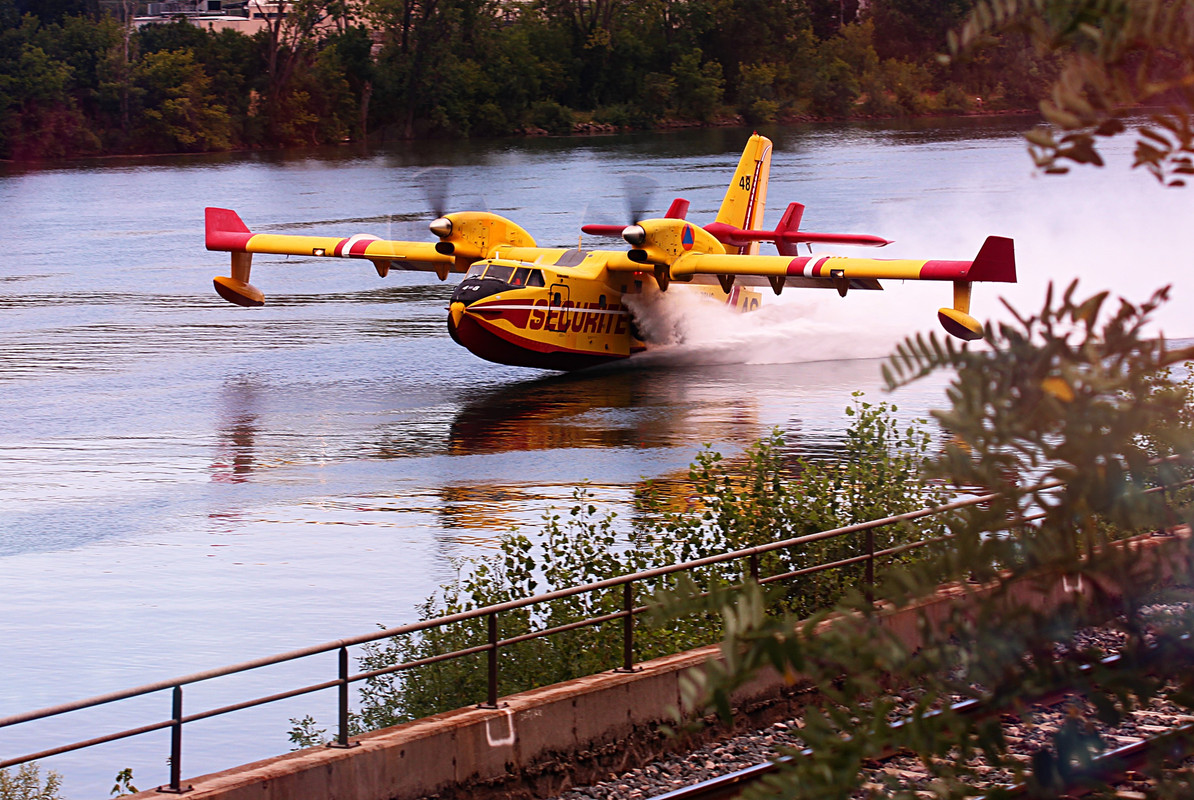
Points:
x=757, y=747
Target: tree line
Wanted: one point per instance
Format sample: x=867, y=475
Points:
x=76, y=80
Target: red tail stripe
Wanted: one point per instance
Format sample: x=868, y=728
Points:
x=945, y=270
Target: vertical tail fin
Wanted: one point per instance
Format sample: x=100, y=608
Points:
x=746, y=197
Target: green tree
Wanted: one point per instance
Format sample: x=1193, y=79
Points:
x=1063, y=395
x=41, y=118
x=178, y=113
x=835, y=85
x=699, y=86
x=289, y=42
x=912, y=28
x=1115, y=58
x=757, y=98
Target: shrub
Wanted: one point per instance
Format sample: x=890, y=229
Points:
x=724, y=505
x=551, y=117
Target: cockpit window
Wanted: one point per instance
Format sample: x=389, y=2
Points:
x=515, y=276
x=497, y=272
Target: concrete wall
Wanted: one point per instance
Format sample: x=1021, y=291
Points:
x=538, y=742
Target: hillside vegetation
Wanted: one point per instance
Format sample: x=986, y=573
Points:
x=74, y=80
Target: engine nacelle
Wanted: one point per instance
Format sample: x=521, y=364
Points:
x=662, y=241
x=473, y=235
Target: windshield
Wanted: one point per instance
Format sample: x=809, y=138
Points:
x=497, y=272
x=515, y=276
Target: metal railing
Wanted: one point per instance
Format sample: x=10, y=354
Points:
x=492, y=647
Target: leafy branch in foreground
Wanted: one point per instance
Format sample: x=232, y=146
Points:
x=1117, y=57
x=1068, y=394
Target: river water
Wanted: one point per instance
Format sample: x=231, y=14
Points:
x=186, y=484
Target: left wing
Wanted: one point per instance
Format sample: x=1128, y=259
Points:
x=996, y=261
x=463, y=238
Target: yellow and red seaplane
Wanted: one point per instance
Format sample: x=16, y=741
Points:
x=566, y=309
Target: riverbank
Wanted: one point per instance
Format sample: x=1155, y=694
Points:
x=580, y=129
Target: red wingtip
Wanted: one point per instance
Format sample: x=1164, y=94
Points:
x=996, y=261
x=225, y=229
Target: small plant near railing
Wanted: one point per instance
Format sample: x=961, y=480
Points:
x=725, y=505
x=26, y=784
x=123, y=787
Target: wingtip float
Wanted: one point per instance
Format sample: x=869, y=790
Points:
x=564, y=309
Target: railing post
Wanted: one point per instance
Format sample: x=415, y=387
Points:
x=491, y=701
x=870, y=565
x=754, y=567
x=175, y=786
x=342, y=736
x=627, y=628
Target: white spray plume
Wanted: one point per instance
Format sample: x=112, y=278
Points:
x=1113, y=228
x=688, y=327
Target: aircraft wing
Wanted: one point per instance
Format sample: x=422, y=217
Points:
x=994, y=262
x=226, y=231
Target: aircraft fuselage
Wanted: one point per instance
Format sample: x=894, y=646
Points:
x=565, y=311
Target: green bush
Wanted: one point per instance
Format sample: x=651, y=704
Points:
x=953, y=100
x=724, y=505
x=551, y=117
x=619, y=114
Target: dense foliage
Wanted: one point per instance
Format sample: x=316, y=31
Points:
x=724, y=505
x=74, y=80
x=1070, y=394
x=1115, y=57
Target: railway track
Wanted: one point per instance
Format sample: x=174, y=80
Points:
x=1143, y=735
x=1159, y=728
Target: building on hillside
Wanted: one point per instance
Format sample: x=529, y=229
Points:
x=243, y=16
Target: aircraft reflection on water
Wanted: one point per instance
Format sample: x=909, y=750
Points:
x=528, y=445
x=592, y=413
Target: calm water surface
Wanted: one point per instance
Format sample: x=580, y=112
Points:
x=187, y=484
